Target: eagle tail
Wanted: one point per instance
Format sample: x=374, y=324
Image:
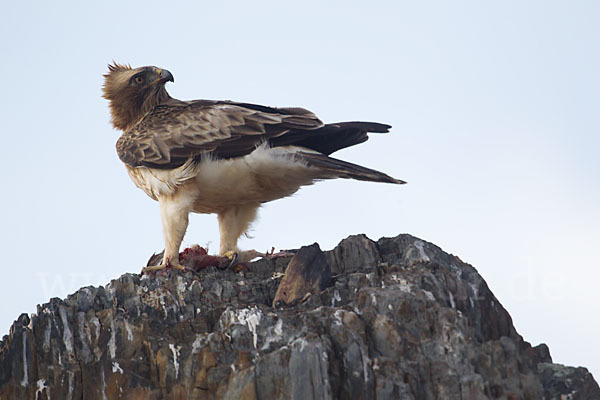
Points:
x=334, y=168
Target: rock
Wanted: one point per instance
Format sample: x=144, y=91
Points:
x=401, y=319
x=307, y=272
x=562, y=382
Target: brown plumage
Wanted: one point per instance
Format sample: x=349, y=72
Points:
x=221, y=157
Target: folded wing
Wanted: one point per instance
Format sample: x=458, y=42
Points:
x=174, y=132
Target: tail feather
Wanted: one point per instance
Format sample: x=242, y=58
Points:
x=334, y=168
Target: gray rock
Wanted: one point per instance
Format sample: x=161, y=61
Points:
x=401, y=320
x=308, y=272
x=561, y=382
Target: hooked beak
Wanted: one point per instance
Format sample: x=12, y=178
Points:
x=163, y=76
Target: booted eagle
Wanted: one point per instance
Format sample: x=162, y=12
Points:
x=221, y=157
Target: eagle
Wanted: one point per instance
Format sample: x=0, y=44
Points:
x=221, y=157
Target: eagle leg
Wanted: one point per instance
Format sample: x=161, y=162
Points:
x=174, y=215
x=233, y=222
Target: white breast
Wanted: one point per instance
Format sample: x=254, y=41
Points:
x=162, y=182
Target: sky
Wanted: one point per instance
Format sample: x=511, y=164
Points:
x=494, y=108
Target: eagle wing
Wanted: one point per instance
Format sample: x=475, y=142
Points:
x=173, y=132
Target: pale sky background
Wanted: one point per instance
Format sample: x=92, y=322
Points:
x=495, y=114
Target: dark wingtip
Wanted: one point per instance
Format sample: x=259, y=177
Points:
x=373, y=127
x=386, y=127
x=376, y=127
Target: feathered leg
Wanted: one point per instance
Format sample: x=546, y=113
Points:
x=174, y=213
x=234, y=222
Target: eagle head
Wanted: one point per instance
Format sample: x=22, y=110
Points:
x=133, y=92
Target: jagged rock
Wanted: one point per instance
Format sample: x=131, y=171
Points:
x=308, y=272
x=401, y=320
x=570, y=383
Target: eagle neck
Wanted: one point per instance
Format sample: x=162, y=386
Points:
x=131, y=114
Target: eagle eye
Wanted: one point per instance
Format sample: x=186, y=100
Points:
x=139, y=79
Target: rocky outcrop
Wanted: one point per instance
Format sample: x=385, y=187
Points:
x=393, y=319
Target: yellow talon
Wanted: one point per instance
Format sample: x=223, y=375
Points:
x=153, y=268
x=232, y=256
x=163, y=265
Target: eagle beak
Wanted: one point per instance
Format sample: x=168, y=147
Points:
x=164, y=76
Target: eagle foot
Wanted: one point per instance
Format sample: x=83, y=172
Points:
x=233, y=258
x=162, y=266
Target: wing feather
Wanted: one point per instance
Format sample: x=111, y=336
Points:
x=171, y=133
